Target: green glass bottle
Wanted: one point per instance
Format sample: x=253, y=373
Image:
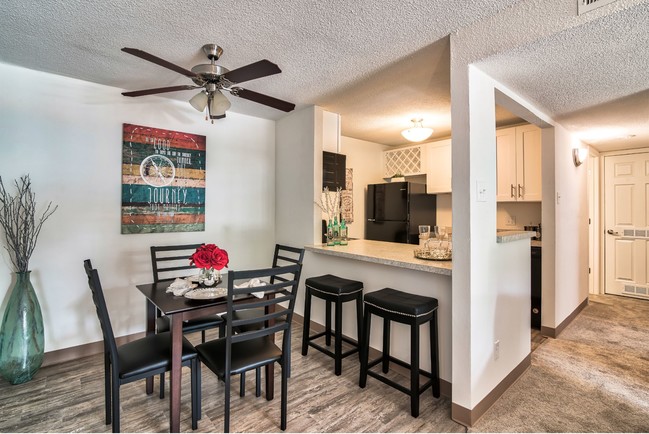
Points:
x=336, y=229
x=343, y=233
x=330, y=234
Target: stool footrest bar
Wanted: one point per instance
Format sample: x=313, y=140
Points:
x=331, y=353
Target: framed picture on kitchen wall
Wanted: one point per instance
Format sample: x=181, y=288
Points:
x=163, y=180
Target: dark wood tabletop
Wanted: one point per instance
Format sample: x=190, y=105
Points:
x=170, y=304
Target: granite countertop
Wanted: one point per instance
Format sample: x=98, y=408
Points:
x=509, y=236
x=380, y=252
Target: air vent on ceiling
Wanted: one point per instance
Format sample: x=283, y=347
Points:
x=584, y=6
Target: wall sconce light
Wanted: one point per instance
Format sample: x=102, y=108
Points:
x=579, y=155
x=417, y=132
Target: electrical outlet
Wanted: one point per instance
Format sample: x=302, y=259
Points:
x=511, y=220
x=496, y=350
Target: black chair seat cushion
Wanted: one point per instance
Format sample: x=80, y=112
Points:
x=149, y=353
x=192, y=325
x=401, y=302
x=333, y=284
x=246, y=355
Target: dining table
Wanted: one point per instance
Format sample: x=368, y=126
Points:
x=179, y=309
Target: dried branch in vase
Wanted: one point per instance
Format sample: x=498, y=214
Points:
x=18, y=221
x=331, y=203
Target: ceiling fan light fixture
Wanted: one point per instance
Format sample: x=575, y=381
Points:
x=199, y=101
x=417, y=132
x=219, y=104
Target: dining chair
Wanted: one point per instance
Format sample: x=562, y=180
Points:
x=142, y=358
x=255, y=348
x=284, y=255
x=169, y=262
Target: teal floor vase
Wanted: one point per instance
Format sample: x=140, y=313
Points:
x=22, y=343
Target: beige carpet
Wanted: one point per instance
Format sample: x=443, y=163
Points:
x=593, y=378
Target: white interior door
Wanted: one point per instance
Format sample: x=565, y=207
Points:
x=626, y=189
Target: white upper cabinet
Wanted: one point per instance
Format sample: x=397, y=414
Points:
x=438, y=171
x=518, y=164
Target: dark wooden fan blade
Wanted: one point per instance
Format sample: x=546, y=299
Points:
x=218, y=117
x=160, y=90
x=158, y=61
x=265, y=99
x=259, y=69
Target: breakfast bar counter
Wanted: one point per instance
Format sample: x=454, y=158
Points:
x=379, y=265
x=379, y=252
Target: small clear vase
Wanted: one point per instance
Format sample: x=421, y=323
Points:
x=210, y=277
x=22, y=341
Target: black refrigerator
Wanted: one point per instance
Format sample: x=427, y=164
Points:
x=395, y=210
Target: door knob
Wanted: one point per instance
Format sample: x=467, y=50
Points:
x=612, y=232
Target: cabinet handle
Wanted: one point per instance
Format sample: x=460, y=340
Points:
x=511, y=190
x=521, y=190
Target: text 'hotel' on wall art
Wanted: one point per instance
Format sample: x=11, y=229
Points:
x=163, y=181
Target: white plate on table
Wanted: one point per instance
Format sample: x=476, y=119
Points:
x=206, y=293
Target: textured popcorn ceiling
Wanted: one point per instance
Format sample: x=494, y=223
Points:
x=378, y=63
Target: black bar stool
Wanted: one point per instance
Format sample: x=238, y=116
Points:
x=405, y=308
x=332, y=289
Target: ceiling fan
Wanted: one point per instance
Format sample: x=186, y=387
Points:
x=214, y=79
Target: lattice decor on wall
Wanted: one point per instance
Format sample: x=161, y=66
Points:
x=404, y=161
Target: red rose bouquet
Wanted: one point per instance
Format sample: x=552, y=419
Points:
x=209, y=256
x=211, y=259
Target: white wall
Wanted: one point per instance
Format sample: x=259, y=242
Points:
x=491, y=281
x=491, y=278
x=365, y=158
x=445, y=210
x=67, y=134
x=571, y=231
x=523, y=214
x=295, y=178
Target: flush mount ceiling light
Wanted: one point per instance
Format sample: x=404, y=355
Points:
x=417, y=132
x=214, y=79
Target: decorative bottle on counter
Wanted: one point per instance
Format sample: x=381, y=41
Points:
x=343, y=233
x=336, y=229
x=330, y=234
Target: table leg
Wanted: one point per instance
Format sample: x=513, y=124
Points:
x=270, y=369
x=150, y=329
x=176, y=370
x=270, y=381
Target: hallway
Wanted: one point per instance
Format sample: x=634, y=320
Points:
x=593, y=377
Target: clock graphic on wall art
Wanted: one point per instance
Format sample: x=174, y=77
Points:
x=157, y=170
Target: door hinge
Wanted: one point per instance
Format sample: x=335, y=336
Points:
x=588, y=220
x=588, y=270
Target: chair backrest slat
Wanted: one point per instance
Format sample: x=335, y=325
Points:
x=286, y=255
x=167, y=261
x=267, y=317
x=274, y=317
x=102, y=312
x=256, y=334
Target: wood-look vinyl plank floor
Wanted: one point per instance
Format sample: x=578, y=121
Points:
x=69, y=397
